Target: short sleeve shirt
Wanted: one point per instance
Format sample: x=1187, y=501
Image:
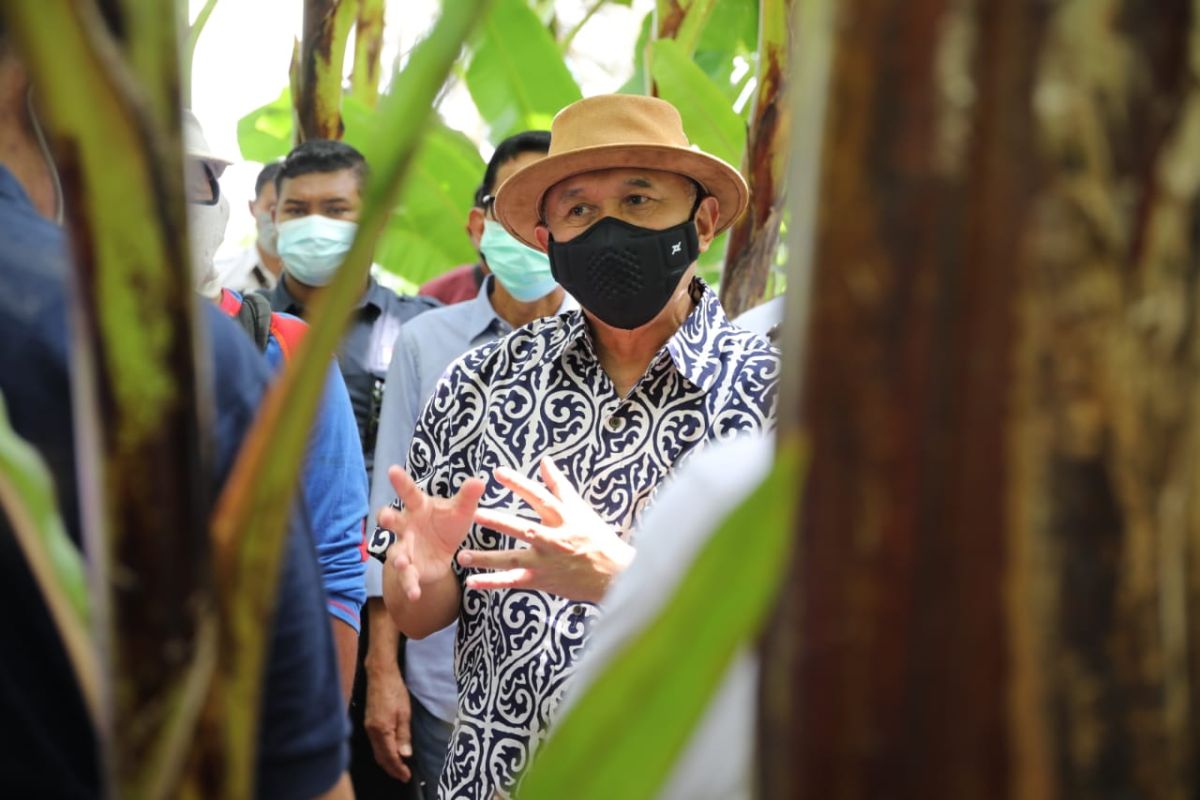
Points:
x=541, y=391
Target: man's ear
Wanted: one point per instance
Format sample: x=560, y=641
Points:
x=706, y=221
x=250, y=207
x=475, y=220
x=542, y=234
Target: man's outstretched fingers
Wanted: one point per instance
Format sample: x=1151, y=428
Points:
x=511, y=525
x=556, y=481
x=409, y=493
x=466, y=499
x=509, y=579
x=540, y=499
x=497, y=559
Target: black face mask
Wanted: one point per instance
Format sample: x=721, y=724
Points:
x=622, y=273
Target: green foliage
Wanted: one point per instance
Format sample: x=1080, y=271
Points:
x=708, y=118
x=517, y=76
x=637, y=81
x=622, y=737
x=265, y=134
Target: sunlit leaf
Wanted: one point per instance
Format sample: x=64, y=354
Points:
x=708, y=118
x=517, y=76
x=426, y=234
x=265, y=134
x=623, y=735
x=637, y=81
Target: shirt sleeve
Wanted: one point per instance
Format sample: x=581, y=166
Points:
x=335, y=491
x=397, y=418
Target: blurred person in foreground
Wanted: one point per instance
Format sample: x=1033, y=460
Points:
x=600, y=404
x=518, y=289
x=48, y=746
x=334, y=484
x=257, y=266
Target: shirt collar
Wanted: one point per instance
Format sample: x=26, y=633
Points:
x=373, y=296
x=693, y=348
x=697, y=345
x=481, y=316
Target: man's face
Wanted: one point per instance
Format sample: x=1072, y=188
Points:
x=265, y=202
x=648, y=198
x=330, y=194
x=506, y=170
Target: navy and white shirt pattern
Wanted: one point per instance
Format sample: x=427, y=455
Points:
x=541, y=391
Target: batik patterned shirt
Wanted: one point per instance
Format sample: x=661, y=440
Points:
x=541, y=391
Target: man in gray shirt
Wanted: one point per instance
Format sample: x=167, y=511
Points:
x=518, y=290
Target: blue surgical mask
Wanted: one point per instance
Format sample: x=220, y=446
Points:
x=313, y=247
x=523, y=271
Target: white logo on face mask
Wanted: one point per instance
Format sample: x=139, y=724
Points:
x=676, y=248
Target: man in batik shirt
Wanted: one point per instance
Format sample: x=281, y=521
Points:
x=537, y=453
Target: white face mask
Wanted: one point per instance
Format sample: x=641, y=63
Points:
x=313, y=247
x=266, y=232
x=206, y=227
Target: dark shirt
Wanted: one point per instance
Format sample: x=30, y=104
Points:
x=365, y=350
x=47, y=745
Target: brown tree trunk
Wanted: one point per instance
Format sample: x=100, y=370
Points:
x=755, y=237
x=996, y=580
x=318, y=73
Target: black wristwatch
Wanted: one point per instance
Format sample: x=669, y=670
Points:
x=379, y=543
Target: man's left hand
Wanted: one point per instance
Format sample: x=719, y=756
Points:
x=572, y=552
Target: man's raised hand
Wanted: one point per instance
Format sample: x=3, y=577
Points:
x=572, y=552
x=428, y=529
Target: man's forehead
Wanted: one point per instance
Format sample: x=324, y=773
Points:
x=317, y=185
x=616, y=177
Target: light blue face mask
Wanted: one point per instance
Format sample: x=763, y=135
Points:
x=313, y=247
x=266, y=232
x=523, y=271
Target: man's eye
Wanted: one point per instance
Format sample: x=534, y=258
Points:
x=637, y=199
x=577, y=210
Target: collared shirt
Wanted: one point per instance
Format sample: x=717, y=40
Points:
x=424, y=348
x=541, y=391
x=366, y=348
x=244, y=272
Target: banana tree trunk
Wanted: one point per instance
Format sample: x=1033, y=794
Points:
x=997, y=592
x=754, y=239
x=368, y=43
x=115, y=132
x=318, y=79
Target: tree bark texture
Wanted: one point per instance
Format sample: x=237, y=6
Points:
x=755, y=237
x=318, y=79
x=368, y=43
x=997, y=583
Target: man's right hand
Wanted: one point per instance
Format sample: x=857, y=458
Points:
x=429, y=530
x=387, y=717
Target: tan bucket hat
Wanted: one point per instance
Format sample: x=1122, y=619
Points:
x=609, y=131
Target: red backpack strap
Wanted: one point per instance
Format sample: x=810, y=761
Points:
x=288, y=331
x=230, y=303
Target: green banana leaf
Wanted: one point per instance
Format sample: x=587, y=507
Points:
x=517, y=76
x=708, y=118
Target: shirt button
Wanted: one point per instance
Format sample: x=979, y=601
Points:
x=578, y=611
x=613, y=423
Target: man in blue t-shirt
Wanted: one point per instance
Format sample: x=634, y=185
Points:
x=47, y=744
